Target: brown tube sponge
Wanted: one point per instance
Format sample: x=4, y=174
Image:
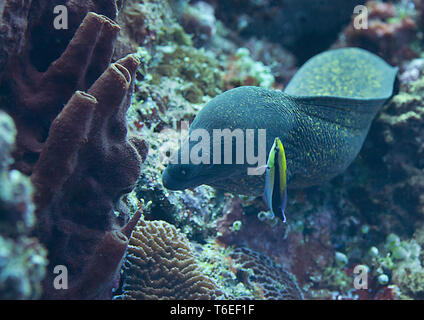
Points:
x=72, y=142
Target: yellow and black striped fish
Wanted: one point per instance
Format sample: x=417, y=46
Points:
x=275, y=179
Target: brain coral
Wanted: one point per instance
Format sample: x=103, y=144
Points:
x=267, y=279
x=160, y=265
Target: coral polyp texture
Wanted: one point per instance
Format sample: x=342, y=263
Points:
x=160, y=265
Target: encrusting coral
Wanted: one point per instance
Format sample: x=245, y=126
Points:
x=72, y=141
x=160, y=265
x=264, y=277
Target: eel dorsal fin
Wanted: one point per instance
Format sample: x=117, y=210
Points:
x=345, y=86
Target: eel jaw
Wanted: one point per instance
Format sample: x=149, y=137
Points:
x=170, y=183
x=173, y=183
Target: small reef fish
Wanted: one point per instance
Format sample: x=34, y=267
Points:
x=275, y=180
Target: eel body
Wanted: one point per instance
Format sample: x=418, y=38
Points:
x=322, y=119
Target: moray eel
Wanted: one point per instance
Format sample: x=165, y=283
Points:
x=321, y=118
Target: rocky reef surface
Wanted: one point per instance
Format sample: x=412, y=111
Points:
x=89, y=115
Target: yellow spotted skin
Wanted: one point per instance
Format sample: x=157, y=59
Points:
x=344, y=73
x=322, y=119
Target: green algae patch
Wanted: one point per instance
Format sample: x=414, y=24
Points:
x=197, y=70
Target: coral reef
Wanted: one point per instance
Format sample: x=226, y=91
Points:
x=215, y=262
x=160, y=265
x=198, y=20
x=398, y=155
x=242, y=70
x=173, y=82
x=22, y=259
x=194, y=66
x=13, y=24
x=390, y=32
x=303, y=246
x=396, y=262
x=27, y=28
x=331, y=227
x=266, y=279
x=142, y=24
x=419, y=6
x=280, y=61
x=381, y=194
x=65, y=95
